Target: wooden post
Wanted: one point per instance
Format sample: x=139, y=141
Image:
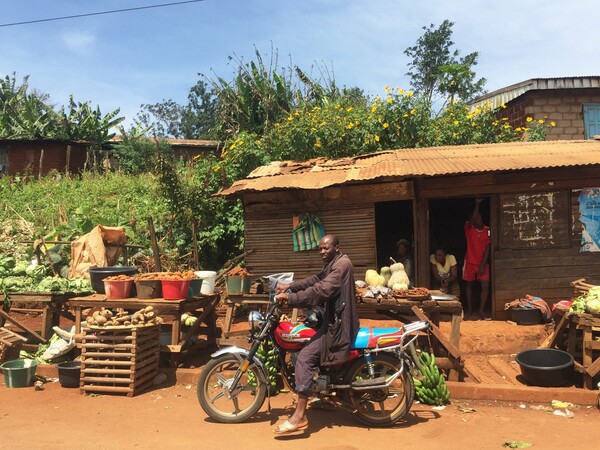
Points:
x=68, y=163
x=194, y=237
x=154, y=245
x=41, y=163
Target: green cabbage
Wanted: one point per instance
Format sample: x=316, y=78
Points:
x=593, y=306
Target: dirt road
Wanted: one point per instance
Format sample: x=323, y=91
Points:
x=60, y=418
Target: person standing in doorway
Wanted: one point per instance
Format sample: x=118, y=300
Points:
x=476, y=265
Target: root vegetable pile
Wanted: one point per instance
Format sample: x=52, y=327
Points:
x=121, y=318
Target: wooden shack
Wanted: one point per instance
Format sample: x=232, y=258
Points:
x=532, y=193
x=41, y=156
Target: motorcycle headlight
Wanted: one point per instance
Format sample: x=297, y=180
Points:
x=256, y=320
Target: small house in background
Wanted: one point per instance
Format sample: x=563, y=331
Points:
x=542, y=203
x=188, y=149
x=572, y=103
x=38, y=157
x=185, y=149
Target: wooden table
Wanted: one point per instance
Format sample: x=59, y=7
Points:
x=577, y=334
x=53, y=306
x=169, y=310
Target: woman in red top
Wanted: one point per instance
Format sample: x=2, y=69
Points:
x=476, y=266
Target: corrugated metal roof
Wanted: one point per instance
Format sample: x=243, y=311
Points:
x=503, y=96
x=419, y=162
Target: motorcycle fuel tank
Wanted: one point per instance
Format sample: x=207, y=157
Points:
x=293, y=336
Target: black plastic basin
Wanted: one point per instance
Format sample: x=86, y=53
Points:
x=98, y=274
x=69, y=373
x=526, y=316
x=546, y=366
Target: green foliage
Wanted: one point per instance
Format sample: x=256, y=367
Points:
x=196, y=120
x=436, y=69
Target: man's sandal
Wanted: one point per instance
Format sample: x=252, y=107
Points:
x=288, y=428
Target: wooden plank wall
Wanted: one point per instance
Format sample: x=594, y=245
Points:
x=347, y=212
x=544, y=266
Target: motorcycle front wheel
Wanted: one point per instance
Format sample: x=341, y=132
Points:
x=381, y=407
x=214, y=397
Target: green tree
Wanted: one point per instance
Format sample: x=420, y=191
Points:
x=436, y=69
x=196, y=120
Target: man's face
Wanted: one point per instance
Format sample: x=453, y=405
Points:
x=327, y=249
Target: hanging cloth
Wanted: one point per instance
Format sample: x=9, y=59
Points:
x=307, y=233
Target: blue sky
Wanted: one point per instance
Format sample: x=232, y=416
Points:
x=124, y=60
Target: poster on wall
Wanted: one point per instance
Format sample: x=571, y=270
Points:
x=589, y=210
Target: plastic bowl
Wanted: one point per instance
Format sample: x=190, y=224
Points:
x=117, y=289
x=526, y=316
x=98, y=274
x=547, y=367
x=19, y=372
x=175, y=289
x=69, y=373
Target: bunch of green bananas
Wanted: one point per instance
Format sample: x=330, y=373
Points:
x=268, y=355
x=432, y=390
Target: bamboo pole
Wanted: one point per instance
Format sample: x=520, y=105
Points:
x=41, y=163
x=68, y=163
x=154, y=245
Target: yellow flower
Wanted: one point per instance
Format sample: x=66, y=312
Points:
x=455, y=122
x=313, y=129
x=552, y=124
x=529, y=119
x=387, y=89
x=541, y=121
x=495, y=123
x=400, y=91
x=412, y=111
x=357, y=122
x=469, y=116
x=350, y=126
x=405, y=115
x=318, y=143
x=389, y=100
x=290, y=118
x=376, y=138
x=349, y=108
x=489, y=104
x=503, y=106
x=409, y=93
x=506, y=127
x=518, y=129
x=374, y=108
x=296, y=113
x=385, y=125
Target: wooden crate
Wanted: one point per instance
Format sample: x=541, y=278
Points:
x=583, y=344
x=10, y=345
x=119, y=360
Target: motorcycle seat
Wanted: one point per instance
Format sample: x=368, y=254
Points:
x=369, y=337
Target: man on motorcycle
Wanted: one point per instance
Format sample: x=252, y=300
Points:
x=332, y=289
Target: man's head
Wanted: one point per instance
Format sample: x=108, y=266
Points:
x=402, y=247
x=478, y=222
x=329, y=247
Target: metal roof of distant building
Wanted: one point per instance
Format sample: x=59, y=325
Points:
x=418, y=162
x=508, y=93
x=182, y=142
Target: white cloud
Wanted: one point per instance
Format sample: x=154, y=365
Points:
x=78, y=41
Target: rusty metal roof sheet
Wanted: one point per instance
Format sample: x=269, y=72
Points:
x=418, y=162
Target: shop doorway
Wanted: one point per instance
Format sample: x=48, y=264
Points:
x=447, y=219
x=393, y=221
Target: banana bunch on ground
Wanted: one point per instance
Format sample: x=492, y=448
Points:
x=432, y=389
x=268, y=355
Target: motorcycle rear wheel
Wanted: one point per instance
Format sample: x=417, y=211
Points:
x=381, y=407
x=212, y=393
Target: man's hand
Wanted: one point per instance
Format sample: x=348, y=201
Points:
x=478, y=200
x=281, y=298
x=282, y=287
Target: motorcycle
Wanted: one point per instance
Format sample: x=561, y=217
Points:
x=375, y=383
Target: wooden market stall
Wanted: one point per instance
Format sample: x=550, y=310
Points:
x=169, y=310
x=532, y=204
